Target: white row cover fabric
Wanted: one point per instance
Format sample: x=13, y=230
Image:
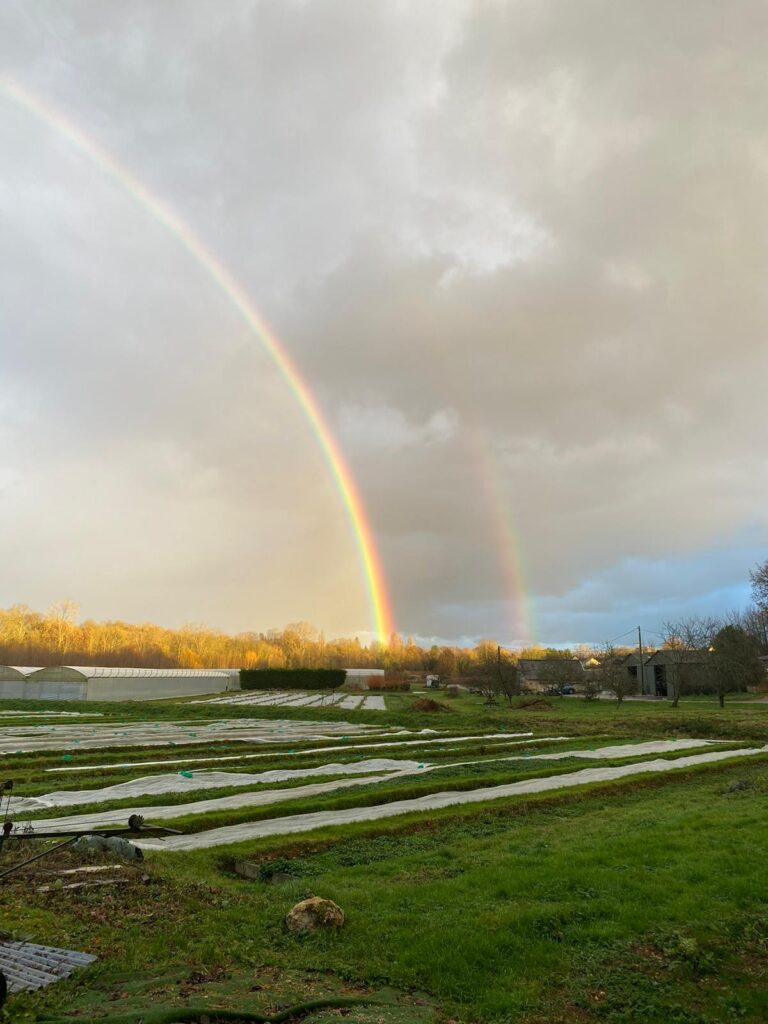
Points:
x=186, y=782
x=257, y=698
x=153, y=734
x=627, y=749
x=99, y=819
x=260, y=798
x=293, y=824
x=205, y=778
x=498, y=739
x=51, y=714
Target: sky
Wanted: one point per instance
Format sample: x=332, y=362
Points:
x=517, y=248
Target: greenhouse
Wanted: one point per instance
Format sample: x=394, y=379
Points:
x=72, y=682
x=13, y=679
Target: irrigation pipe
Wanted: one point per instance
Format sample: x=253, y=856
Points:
x=196, y=1014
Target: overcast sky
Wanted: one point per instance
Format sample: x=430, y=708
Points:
x=518, y=249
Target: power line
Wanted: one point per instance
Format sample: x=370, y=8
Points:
x=621, y=635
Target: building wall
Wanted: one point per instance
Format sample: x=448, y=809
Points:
x=117, y=688
x=53, y=690
x=12, y=689
x=154, y=687
x=363, y=678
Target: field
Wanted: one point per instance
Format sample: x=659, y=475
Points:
x=609, y=867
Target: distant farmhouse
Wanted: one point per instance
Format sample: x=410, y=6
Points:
x=538, y=675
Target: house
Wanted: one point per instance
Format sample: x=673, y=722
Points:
x=542, y=674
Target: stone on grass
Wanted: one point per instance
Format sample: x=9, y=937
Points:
x=313, y=915
x=247, y=869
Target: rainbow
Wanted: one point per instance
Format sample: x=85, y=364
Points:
x=373, y=574
x=508, y=542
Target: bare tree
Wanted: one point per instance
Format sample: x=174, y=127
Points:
x=495, y=672
x=754, y=621
x=507, y=675
x=612, y=675
x=61, y=619
x=758, y=577
x=558, y=672
x=735, y=662
x=590, y=685
x=690, y=638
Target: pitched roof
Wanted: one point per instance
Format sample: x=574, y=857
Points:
x=673, y=656
x=539, y=668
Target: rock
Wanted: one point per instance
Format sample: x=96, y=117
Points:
x=247, y=869
x=314, y=914
x=115, y=845
x=736, y=787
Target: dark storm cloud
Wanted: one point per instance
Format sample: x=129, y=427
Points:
x=541, y=224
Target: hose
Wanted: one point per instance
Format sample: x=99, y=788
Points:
x=195, y=1014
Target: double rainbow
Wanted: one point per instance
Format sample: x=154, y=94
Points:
x=381, y=614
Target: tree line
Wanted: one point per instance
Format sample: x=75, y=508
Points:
x=56, y=637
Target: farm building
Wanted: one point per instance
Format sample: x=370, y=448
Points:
x=71, y=682
x=667, y=670
x=542, y=674
x=363, y=678
x=631, y=664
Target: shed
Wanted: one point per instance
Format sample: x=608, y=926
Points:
x=631, y=664
x=690, y=670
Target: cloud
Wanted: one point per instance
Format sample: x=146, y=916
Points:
x=540, y=222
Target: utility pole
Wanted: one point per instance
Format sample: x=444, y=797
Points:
x=641, y=669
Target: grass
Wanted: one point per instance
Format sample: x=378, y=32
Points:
x=632, y=902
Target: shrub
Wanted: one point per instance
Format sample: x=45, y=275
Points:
x=291, y=678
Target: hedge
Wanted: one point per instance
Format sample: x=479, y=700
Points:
x=291, y=678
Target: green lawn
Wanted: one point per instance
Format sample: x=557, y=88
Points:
x=639, y=900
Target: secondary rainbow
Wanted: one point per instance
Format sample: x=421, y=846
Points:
x=371, y=566
x=508, y=544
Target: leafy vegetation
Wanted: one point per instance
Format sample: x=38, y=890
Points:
x=291, y=678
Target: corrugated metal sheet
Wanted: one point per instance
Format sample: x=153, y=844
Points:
x=28, y=966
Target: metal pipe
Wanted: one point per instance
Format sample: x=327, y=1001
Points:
x=53, y=849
